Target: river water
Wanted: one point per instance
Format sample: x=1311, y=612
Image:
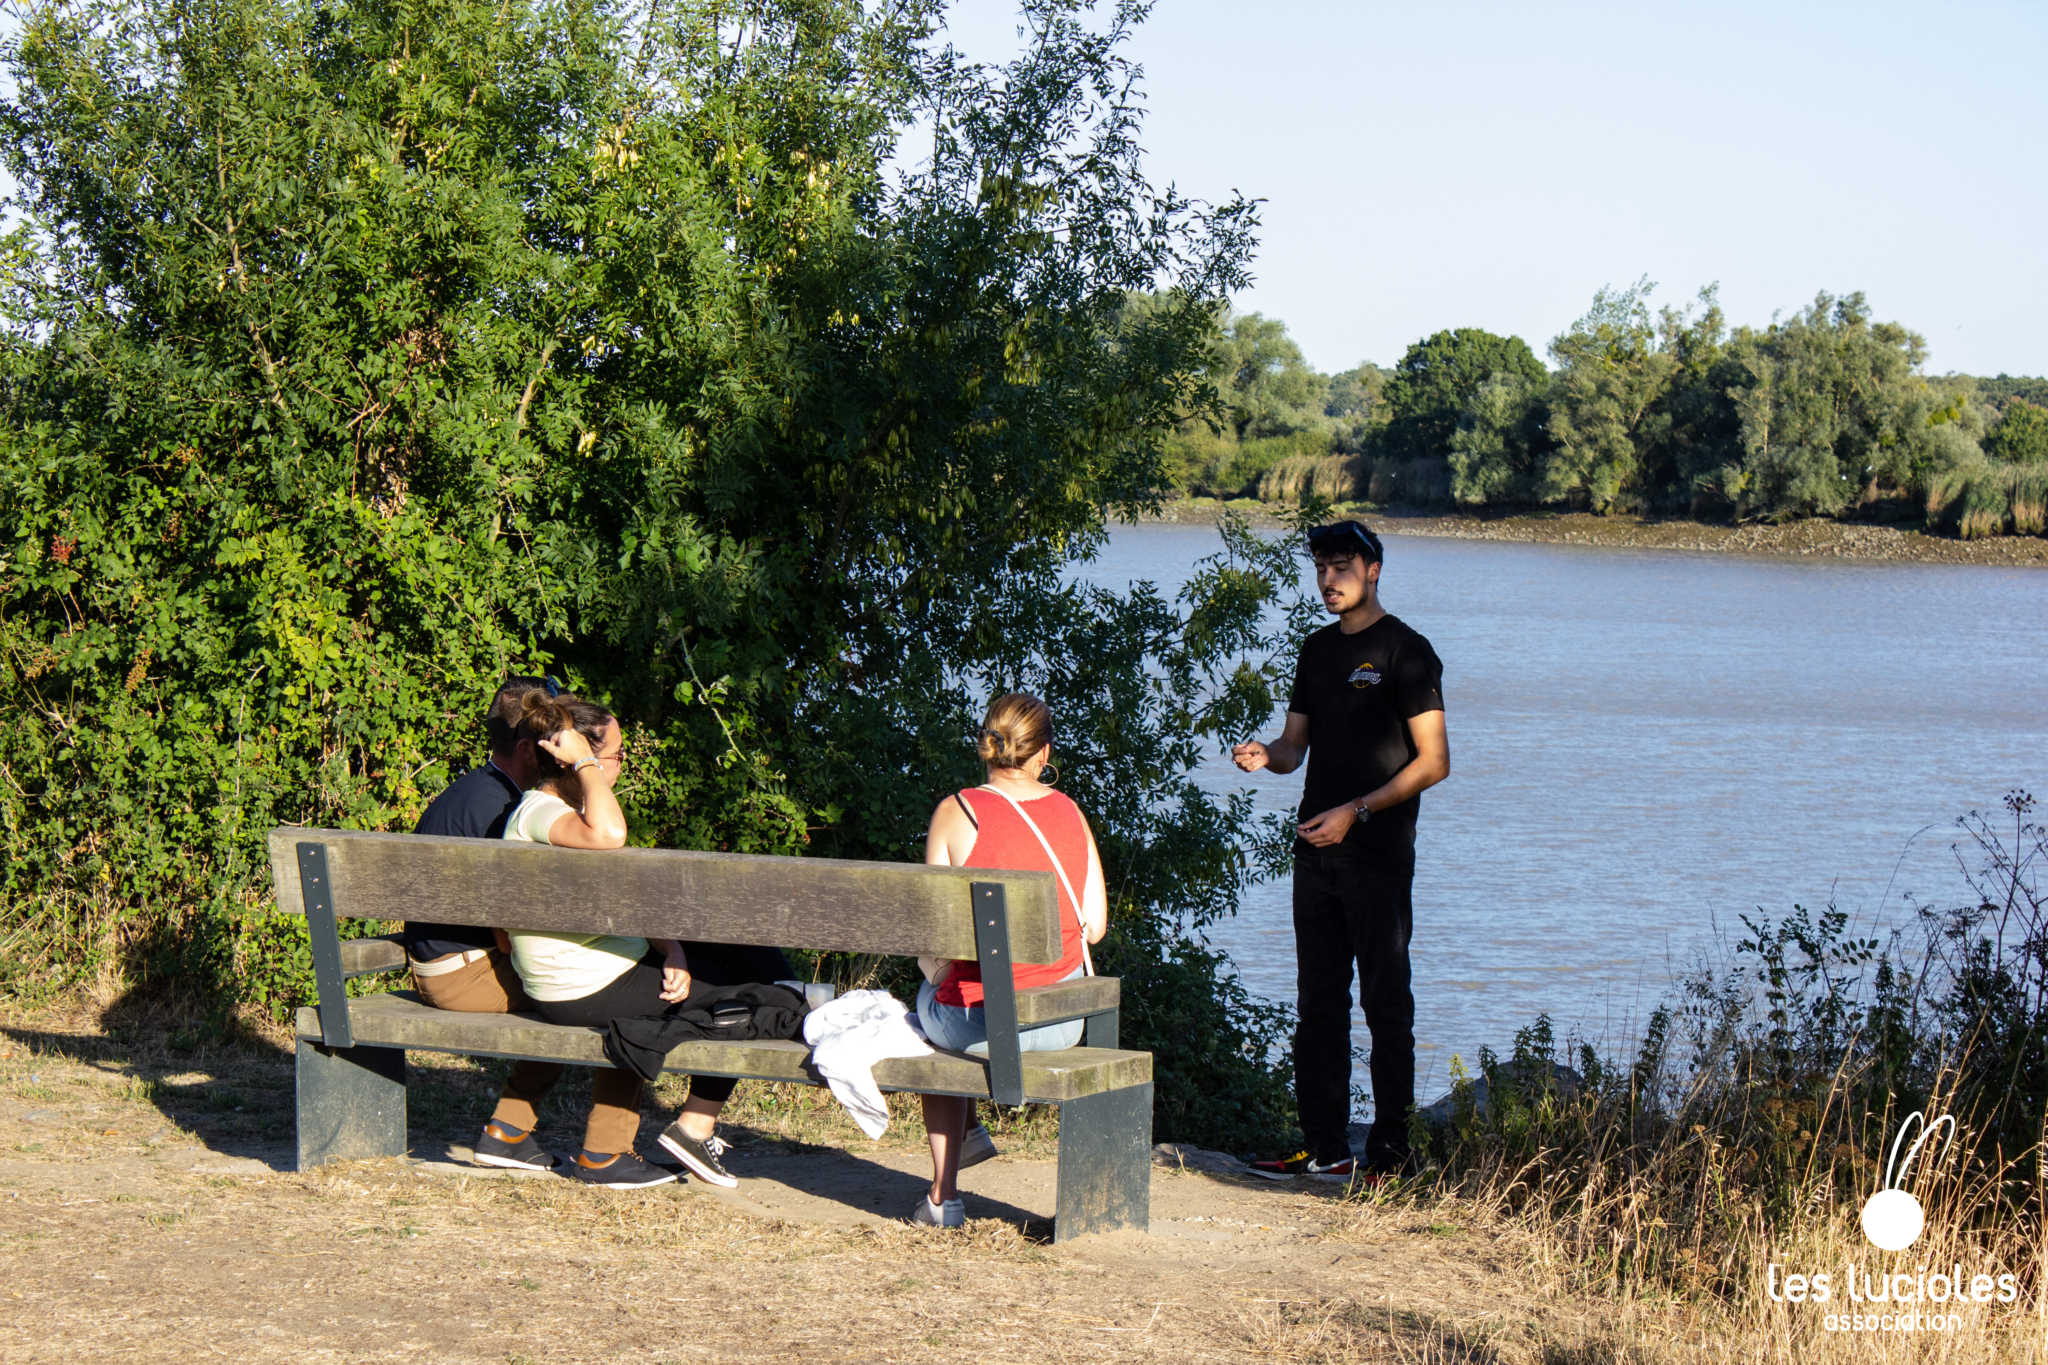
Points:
x=1647, y=744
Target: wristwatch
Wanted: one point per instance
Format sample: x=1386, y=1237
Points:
x=1358, y=809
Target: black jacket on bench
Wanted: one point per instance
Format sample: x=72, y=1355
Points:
x=642, y=1045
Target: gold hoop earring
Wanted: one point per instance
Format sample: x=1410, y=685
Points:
x=1048, y=774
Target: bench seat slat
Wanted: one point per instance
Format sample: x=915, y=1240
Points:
x=401, y=1020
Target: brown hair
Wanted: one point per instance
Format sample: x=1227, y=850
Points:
x=541, y=717
x=1017, y=726
x=501, y=722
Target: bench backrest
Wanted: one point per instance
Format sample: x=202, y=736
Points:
x=823, y=903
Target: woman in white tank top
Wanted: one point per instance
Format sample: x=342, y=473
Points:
x=592, y=979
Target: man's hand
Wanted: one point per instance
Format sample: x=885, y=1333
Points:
x=1328, y=829
x=675, y=976
x=1282, y=756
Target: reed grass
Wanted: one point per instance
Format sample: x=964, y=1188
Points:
x=1761, y=1113
x=2030, y=500
x=1990, y=500
x=1337, y=478
x=1356, y=478
x=1987, y=501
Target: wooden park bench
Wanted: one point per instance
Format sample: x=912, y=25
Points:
x=351, y=1053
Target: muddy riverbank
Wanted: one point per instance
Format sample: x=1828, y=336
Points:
x=1800, y=539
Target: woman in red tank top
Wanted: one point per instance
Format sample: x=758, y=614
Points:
x=1014, y=821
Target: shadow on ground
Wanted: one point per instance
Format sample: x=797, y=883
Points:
x=172, y=1086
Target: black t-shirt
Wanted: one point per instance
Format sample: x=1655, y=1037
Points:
x=1359, y=692
x=474, y=806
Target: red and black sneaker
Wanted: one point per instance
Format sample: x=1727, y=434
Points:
x=1281, y=1167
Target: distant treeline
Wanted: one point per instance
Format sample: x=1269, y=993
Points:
x=1825, y=413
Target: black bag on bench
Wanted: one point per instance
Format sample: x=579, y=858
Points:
x=719, y=1014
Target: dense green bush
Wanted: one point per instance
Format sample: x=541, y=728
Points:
x=357, y=355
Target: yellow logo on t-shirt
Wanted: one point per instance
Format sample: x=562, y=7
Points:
x=1365, y=675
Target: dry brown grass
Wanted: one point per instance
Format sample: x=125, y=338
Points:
x=113, y=1244
x=138, y=1215
x=1699, y=1289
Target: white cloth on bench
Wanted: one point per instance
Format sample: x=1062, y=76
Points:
x=848, y=1036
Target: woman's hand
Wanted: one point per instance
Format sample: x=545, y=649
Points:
x=567, y=747
x=675, y=974
x=594, y=819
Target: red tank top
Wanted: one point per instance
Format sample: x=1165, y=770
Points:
x=1003, y=840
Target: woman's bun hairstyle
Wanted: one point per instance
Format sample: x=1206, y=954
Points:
x=542, y=717
x=1017, y=726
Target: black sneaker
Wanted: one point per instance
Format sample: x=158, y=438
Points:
x=626, y=1171
x=701, y=1158
x=495, y=1148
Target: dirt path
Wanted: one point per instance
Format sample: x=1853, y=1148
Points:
x=143, y=1210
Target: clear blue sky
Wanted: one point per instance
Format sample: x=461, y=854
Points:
x=1442, y=165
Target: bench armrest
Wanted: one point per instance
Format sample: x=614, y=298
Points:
x=1065, y=1000
x=363, y=956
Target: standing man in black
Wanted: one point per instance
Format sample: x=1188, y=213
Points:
x=1367, y=711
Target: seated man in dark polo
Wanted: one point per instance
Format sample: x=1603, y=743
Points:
x=469, y=968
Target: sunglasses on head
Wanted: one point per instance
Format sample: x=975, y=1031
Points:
x=545, y=684
x=1344, y=538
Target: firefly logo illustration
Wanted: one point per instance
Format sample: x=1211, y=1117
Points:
x=1893, y=1218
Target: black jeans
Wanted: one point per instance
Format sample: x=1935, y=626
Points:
x=637, y=994
x=1348, y=909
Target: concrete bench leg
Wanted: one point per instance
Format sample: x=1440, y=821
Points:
x=351, y=1103
x=1105, y=1164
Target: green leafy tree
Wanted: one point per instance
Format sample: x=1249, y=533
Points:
x=1611, y=375
x=2004, y=388
x=1355, y=405
x=1633, y=412
x=1356, y=393
x=1269, y=388
x=1703, y=432
x=358, y=355
x=1833, y=406
x=1434, y=381
x=1500, y=451
x=1259, y=404
x=2021, y=435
